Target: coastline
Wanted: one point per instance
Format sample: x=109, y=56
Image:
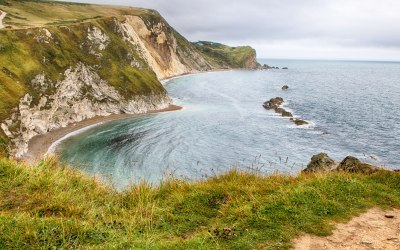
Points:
x=167, y=79
x=42, y=145
x=46, y=144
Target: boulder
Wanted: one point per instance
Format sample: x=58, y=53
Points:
x=285, y=87
x=285, y=68
x=273, y=103
x=354, y=165
x=320, y=163
x=299, y=122
x=264, y=67
x=283, y=112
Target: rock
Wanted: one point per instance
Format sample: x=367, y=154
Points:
x=283, y=112
x=299, y=122
x=354, y=165
x=273, y=103
x=285, y=68
x=265, y=67
x=285, y=87
x=389, y=216
x=320, y=162
x=82, y=94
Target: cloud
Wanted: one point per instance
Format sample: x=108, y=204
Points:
x=350, y=25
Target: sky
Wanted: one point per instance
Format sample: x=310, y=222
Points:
x=294, y=29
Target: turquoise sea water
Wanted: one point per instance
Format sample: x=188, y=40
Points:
x=353, y=109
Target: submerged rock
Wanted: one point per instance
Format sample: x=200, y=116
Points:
x=299, y=122
x=320, y=162
x=285, y=87
x=354, y=165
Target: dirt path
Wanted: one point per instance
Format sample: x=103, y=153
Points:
x=371, y=230
x=2, y=16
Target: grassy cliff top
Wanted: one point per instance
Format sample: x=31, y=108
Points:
x=34, y=13
x=223, y=56
x=50, y=206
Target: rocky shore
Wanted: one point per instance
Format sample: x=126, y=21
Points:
x=323, y=163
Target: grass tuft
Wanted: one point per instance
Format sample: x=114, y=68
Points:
x=53, y=206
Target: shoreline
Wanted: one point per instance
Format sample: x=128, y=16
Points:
x=45, y=144
x=167, y=79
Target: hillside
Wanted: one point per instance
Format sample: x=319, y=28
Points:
x=64, y=62
x=223, y=56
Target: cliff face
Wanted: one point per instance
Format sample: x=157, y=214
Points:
x=64, y=72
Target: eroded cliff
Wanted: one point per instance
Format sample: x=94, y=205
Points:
x=66, y=71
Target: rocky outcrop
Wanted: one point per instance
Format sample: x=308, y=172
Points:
x=81, y=95
x=354, y=165
x=275, y=104
x=320, y=163
x=323, y=163
x=158, y=46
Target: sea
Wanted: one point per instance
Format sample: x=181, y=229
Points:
x=352, y=107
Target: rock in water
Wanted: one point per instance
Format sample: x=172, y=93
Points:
x=285, y=68
x=320, y=162
x=273, y=103
x=299, y=122
x=354, y=165
x=285, y=87
x=286, y=113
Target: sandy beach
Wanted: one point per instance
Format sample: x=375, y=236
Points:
x=39, y=145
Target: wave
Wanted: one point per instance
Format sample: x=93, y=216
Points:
x=53, y=147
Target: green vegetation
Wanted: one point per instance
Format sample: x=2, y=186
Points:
x=28, y=13
x=49, y=206
x=52, y=206
x=49, y=37
x=223, y=56
x=27, y=53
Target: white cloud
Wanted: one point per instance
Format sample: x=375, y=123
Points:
x=351, y=29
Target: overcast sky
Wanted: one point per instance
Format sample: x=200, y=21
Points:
x=306, y=29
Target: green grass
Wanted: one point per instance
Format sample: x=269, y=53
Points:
x=51, y=206
x=223, y=56
x=41, y=13
x=21, y=59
